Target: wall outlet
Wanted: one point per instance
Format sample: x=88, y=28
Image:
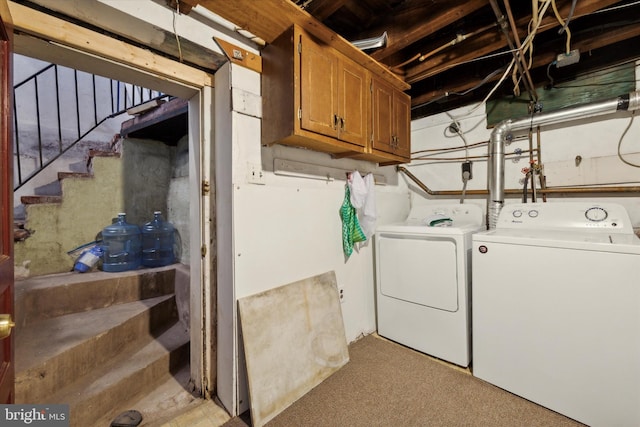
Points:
x=466, y=169
x=255, y=174
x=341, y=294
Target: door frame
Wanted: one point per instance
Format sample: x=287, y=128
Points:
x=51, y=39
x=7, y=367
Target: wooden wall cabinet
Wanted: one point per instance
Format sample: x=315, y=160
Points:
x=316, y=97
x=333, y=93
x=391, y=120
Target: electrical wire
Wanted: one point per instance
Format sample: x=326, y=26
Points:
x=455, y=127
x=569, y=17
x=609, y=9
x=562, y=22
x=175, y=32
x=485, y=80
x=633, y=114
x=464, y=189
x=549, y=73
x=447, y=94
x=537, y=25
x=526, y=46
x=469, y=61
x=486, y=98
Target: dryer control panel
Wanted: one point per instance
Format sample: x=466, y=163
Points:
x=459, y=214
x=606, y=217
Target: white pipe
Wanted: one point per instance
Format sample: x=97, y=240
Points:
x=503, y=131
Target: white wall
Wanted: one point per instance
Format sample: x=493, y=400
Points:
x=595, y=141
x=285, y=228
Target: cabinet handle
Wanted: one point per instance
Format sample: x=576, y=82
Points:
x=335, y=121
x=342, y=123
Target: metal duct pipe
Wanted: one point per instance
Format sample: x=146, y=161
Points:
x=502, y=131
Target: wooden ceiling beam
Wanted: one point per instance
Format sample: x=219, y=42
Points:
x=596, y=41
x=483, y=45
x=418, y=21
x=541, y=60
x=322, y=9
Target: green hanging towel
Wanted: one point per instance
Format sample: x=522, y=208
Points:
x=351, y=231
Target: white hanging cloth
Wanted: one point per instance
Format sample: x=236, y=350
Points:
x=363, y=198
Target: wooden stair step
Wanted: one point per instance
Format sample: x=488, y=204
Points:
x=52, y=353
x=33, y=200
x=42, y=297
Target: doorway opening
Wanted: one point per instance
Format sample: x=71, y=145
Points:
x=181, y=155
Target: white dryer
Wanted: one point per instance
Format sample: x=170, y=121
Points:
x=423, y=279
x=556, y=309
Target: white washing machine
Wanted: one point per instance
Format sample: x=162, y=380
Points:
x=556, y=309
x=423, y=279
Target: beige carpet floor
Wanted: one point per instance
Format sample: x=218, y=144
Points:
x=386, y=384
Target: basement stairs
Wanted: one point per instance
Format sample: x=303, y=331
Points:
x=103, y=343
x=100, y=341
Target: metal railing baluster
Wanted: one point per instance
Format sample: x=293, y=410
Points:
x=120, y=103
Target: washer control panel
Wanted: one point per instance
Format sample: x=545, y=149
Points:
x=609, y=217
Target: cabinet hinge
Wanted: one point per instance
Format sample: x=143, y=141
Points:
x=299, y=113
x=300, y=46
x=203, y=250
x=206, y=188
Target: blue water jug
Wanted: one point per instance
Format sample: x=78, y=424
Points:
x=122, y=246
x=157, y=242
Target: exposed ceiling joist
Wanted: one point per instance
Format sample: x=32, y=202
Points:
x=441, y=46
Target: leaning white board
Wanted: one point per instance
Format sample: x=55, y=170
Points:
x=293, y=340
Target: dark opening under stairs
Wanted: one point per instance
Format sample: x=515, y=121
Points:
x=99, y=341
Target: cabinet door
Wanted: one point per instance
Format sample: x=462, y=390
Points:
x=352, y=103
x=382, y=104
x=402, y=125
x=318, y=77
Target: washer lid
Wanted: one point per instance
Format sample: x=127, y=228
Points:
x=572, y=239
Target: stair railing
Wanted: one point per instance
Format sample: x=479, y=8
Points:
x=28, y=101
